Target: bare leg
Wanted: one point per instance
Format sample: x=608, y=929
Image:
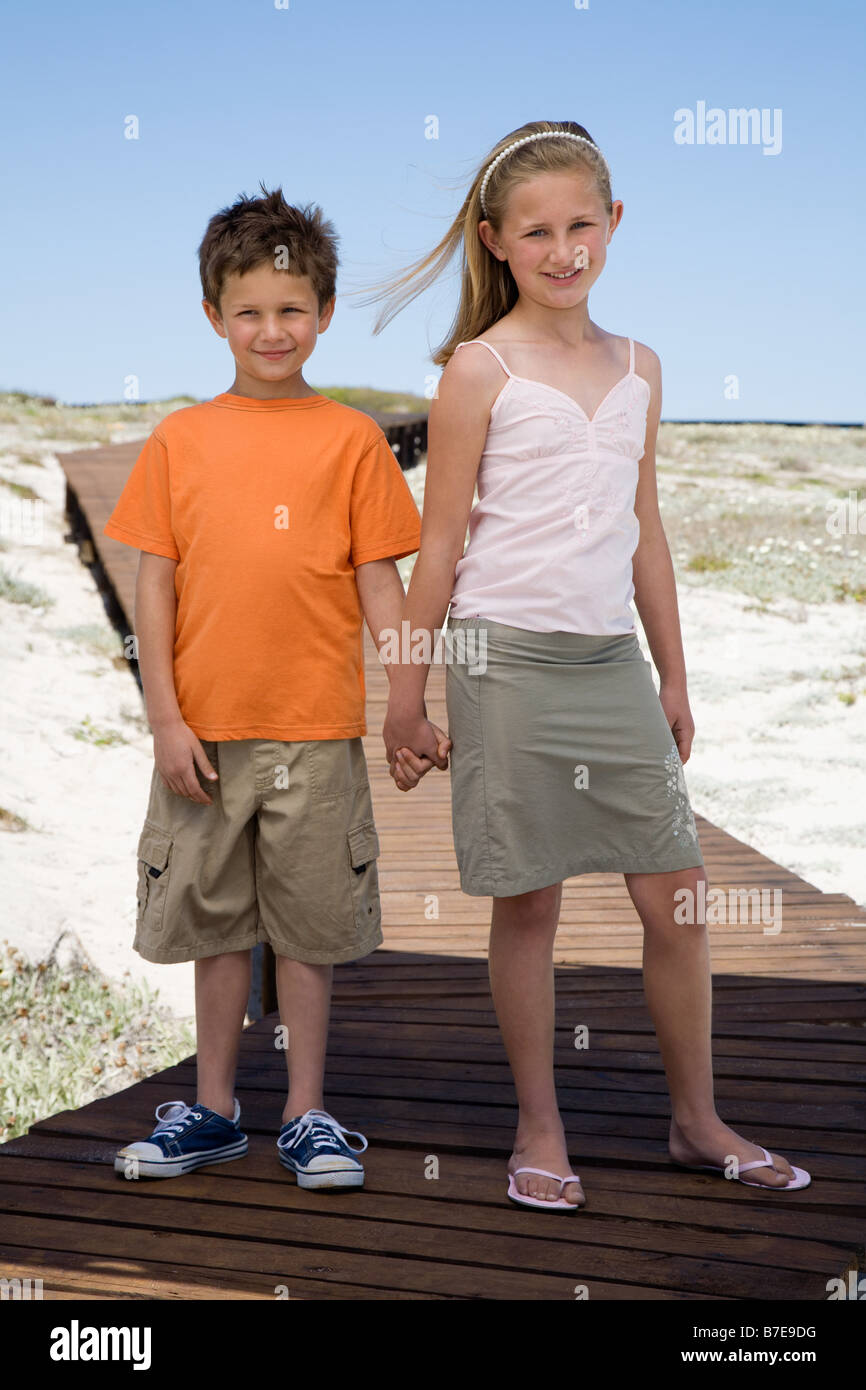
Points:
x=678, y=989
x=222, y=988
x=522, y=933
x=304, y=992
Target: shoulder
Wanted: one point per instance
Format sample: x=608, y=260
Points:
x=472, y=361
x=647, y=363
x=469, y=385
x=177, y=422
x=358, y=431
x=352, y=419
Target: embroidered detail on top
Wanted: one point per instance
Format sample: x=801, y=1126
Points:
x=683, y=819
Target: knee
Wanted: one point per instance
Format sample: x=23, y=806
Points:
x=668, y=903
x=690, y=898
x=536, y=911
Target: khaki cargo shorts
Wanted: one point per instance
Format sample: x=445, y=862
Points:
x=286, y=854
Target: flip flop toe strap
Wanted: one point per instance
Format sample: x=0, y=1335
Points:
x=765, y=1162
x=543, y=1173
x=539, y=1172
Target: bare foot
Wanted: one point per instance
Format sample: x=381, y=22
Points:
x=544, y=1148
x=715, y=1142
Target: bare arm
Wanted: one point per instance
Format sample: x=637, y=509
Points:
x=176, y=748
x=382, y=595
x=456, y=431
x=381, y=592
x=655, y=591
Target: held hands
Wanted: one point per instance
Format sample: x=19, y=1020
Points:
x=413, y=745
x=177, y=752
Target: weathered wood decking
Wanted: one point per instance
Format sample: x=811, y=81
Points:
x=415, y=1062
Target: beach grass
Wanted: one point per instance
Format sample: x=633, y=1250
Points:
x=71, y=1035
x=16, y=590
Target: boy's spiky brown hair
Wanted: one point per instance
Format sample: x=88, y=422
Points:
x=254, y=230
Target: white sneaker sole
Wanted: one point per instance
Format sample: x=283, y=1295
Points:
x=335, y=1177
x=128, y=1162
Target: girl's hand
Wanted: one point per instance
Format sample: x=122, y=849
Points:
x=411, y=729
x=675, y=703
x=177, y=752
x=407, y=768
x=421, y=743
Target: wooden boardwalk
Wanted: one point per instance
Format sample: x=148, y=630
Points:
x=415, y=1062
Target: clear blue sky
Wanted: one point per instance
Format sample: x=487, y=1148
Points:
x=727, y=261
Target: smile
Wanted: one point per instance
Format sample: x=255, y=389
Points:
x=561, y=274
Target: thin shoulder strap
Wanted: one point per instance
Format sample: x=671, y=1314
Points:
x=491, y=348
x=630, y=356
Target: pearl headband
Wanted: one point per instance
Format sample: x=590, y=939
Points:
x=540, y=135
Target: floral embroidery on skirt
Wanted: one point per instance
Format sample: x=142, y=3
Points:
x=683, y=819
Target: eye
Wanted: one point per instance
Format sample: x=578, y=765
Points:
x=543, y=230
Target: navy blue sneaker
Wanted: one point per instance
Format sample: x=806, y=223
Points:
x=186, y=1137
x=311, y=1147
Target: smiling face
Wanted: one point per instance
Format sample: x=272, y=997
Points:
x=554, y=236
x=271, y=321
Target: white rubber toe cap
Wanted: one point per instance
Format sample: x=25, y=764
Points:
x=150, y=1153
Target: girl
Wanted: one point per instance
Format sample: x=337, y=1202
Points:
x=565, y=759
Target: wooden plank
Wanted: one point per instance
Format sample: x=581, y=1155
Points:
x=68, y=1275
x=283, y=1263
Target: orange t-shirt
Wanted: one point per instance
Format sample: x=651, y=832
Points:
x=268, y=505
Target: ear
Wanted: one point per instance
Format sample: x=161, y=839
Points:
x=213, y=318
x=491, y=240
x=615, y=219
x=327, y=313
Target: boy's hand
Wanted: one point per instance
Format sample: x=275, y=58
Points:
x=407, y=768
x=177, y=752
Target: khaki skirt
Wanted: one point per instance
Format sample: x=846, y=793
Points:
x=562, y=762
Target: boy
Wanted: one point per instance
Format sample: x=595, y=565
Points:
x=269, y=521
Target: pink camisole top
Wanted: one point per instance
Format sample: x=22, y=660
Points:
x=552, y=535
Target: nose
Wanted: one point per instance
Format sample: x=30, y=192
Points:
x=563, y=252
x=273, y=331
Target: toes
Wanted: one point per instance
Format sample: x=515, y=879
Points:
x=782, y=1169
x=778, y=1176
x=573, y=1192
x=541, y=1188
x=767, y=1177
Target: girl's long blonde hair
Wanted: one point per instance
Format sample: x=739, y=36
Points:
x=488, y=290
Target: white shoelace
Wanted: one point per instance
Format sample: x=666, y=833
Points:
x=178, y=1116
x=320, y=1120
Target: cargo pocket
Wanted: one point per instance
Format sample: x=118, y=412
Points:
x=154, y=866
x=363, y=844
x=336, y=767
